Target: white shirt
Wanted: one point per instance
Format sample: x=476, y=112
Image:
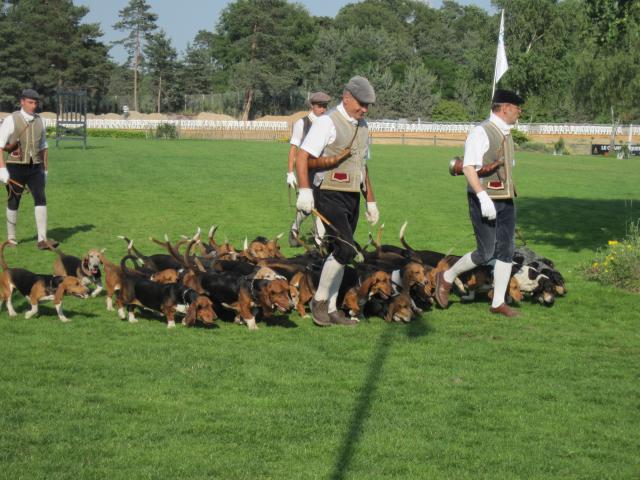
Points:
x=477, y=143
x=7, y=127
x=298, y=129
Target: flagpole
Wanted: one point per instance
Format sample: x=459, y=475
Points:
x=501, y=57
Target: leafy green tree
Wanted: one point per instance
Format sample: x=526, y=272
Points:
x=45, y=46
x=450, y=111
x=198, y=65
x=161, y=62
x=138, y=20
x=264, y=45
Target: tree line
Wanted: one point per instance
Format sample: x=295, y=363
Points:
x=573, y=60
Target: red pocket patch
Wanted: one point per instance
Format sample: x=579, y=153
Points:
x=496, y=185
x=340, y=177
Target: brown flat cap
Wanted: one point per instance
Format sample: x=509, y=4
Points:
x=319, y=97
x=361, y=90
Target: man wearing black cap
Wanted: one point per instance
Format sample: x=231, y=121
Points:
x=319, y=102
x=342, y=134
x=491, y=207
x=24, y=162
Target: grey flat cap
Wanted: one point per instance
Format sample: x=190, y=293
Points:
x=319, y=97
x=30, y=93
x=361, y=89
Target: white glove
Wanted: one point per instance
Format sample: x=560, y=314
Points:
x=487, y=206
x=46, y=172
x=305, y=200
x=291, y=180
x=372, y=213
x=4, y=175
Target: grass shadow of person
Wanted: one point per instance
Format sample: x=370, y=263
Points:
x=61, y=234
x=417, y=328
x=575, y=223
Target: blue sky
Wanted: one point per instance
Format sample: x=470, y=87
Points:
x=182, y=19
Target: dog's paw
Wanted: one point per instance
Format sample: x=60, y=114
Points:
x=171, y=324
x=28, y=315
x=64, y=319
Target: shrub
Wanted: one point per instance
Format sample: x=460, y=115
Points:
x=519, y=137
x=535, y=147
x=559, y=148
x=166, y=130
x=115, y=133
x=619, y=263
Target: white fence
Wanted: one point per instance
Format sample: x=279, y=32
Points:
x=374, y=126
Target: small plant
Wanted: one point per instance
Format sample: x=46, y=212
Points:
x=519, y=137
x=166, y=130
x=560, y=148
x=619, y=263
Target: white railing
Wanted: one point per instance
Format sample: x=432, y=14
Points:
x=374, y=126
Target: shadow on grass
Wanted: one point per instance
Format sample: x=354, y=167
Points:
x=575, y=223
x=48, y=311
x=76, y=146
x=61, y=234
x=416, y=328
x=278, y=321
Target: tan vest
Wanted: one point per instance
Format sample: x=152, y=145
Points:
x=348, y=175
x=30, y=136
x=499, y=185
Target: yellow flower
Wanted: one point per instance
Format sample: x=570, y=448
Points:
x=613, y=242
x=595, y=265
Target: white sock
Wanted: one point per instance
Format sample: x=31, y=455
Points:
x=12, y=219
x=330, y=270
x=463, y=265
x=501, y=275
x=41, y=222
x=334, y=289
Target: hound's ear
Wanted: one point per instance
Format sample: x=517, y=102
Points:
x=391, y=311
x=190, y=318
x=264, y=299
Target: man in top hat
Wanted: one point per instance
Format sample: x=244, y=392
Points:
x=319, y=102
x=342, y=134
x=24, y=163
x=491, y=206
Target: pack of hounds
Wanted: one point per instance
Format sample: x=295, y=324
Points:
x=200, y=281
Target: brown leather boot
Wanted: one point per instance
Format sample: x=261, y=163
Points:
x=442, y=290
x=339, y=318
x=505, y=310
x=320, y=313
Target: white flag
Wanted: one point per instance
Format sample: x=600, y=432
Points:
x=501, y=56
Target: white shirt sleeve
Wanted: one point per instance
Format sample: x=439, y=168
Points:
x=296, y=133
x=6, y=129
x=475, y=147
x=43, y=144
x=321, y=134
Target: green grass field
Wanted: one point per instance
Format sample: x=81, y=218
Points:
x=457, y=394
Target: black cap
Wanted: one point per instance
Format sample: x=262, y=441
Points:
x=30, y=93
x=507, y=96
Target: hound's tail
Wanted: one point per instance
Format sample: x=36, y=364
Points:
x=3, y=262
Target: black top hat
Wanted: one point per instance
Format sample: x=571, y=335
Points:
x=507, y=96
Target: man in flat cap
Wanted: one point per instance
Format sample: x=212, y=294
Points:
x=24, y=162
x=490, y=196
x=338, y=143
x=319, y=102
